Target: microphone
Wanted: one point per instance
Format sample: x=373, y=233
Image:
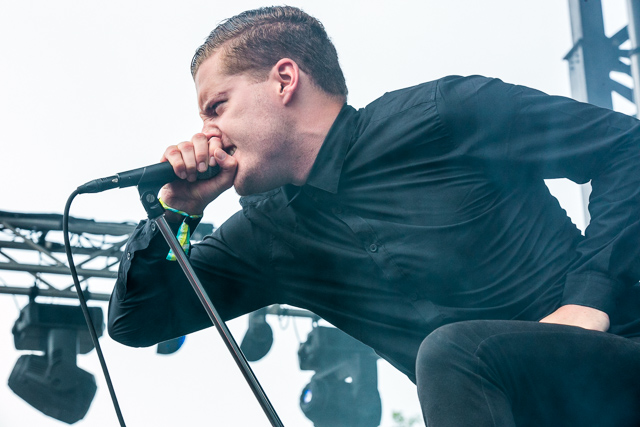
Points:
x=158, y=174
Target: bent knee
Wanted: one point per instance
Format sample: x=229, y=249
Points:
x=439, y=344
x=448, y=346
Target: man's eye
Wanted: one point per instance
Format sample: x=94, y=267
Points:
x=214, y=109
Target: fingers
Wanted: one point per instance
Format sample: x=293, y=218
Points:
x=193, y=197
x=187, y=149
x=228, y=167
x=190, y=157
x=201, y=151
x=214, y=144
x=227, y=163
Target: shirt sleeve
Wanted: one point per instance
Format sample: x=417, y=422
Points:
x=152, y=300
x=522, y=133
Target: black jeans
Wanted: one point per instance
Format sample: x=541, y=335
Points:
x=512, y=373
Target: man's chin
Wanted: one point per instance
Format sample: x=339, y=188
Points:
x=243, y=190
x=239, y=192
x=248, y=188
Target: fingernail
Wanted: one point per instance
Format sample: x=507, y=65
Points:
x=202, y=167
x=183, y=175
x=212, y=161
x=221, y=154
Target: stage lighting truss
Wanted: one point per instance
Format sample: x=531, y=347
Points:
x=32, y=255
x=33, y=244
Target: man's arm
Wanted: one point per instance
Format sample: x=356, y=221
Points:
x=152, y=300
x=522, y=134
x=148, y=288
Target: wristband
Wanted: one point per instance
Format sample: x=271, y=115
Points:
x=184, y=233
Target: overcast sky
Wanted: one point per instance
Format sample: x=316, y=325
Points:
x=88, y=89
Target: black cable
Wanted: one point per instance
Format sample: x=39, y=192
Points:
x=85, y=309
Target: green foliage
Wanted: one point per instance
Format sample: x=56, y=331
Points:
x=400, y=420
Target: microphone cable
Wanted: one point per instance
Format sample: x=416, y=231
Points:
x=85, y=309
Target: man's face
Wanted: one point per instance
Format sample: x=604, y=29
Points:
x=247, y=117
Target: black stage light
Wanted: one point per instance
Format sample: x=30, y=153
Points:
x=170, y=346
x=258, y=339
x=343, y=392
x=57, y=388
x=53, y=383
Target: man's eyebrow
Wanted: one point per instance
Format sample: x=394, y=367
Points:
x=212, y=99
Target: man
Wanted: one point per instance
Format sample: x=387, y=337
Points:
x=420, y=225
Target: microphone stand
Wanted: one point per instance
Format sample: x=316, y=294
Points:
x=155, y=212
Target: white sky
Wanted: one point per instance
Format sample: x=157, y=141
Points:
x=88, y=89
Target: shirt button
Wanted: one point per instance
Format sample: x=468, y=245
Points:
x=153, y=226
x=373, y=247
x=128, y=255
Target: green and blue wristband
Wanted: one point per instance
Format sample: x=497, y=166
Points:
x=184, y=232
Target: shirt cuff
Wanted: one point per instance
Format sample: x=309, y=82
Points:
x=146, y=237
x=591, y=290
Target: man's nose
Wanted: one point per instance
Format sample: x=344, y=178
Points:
x=210, y=130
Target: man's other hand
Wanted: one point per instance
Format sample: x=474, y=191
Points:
x=581, y=316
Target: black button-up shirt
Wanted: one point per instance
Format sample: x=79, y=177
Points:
x=426, y=207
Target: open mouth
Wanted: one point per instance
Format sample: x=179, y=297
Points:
x=230, y=150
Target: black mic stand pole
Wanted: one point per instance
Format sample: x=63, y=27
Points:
x=155, y=212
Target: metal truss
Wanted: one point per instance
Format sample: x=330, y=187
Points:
x=594, y=55
x=32, y=244
x=97, y=248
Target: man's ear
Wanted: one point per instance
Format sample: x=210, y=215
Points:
x=286, y=75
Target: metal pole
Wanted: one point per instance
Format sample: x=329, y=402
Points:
x=222, y=328
x=633, y=10
x=588, y=67
x=155, y=212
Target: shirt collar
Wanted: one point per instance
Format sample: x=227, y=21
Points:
x=325, y=172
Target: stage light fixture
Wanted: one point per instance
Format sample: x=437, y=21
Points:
x=258, y=339
x=53, y=383
x=343, y=391
x=170, y=346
